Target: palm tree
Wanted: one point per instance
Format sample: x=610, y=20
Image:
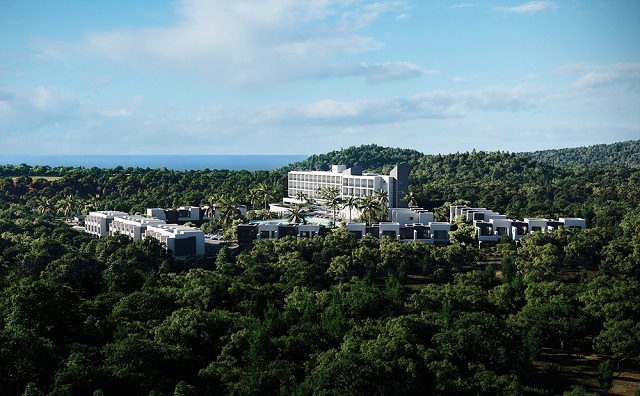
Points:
x=333, y=200
x=350, y=203
x=45, y=205
x=252, y=196
x=93, y=203
x=369, y=206
x=269, y=215
x=296, y=214
x=265, y=192
x=411, y=199
x=211, y=203
x=67, y=206
x=300, y=196
x=383, y=199
x=228, y=210
x=309, y=202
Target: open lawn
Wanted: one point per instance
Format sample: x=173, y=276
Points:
x=575, y=369
x=47, y=178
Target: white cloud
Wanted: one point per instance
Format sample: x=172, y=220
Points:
x=245, y=41
x=596, y=76
x=463, y=5
x=427, y=105
x=621, y=74
x=528, y=8
x=380, y=72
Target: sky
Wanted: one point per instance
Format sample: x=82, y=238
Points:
x=312, y=76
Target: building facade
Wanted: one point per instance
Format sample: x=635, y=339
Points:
x=351, y=182
x=97, y=223
x=133, y=226
x=180, y=240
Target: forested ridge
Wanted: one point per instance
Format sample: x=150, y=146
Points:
x=597, y=156
x=329, y=315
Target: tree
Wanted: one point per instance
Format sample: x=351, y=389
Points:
x=411, y=199
x=464, y=233
x=350, y=203
x=93, y=203
x=383, y=200
x=332, y=198
x=253, y=196
x=265, y=191
x=45, y=205
x=296, y=214
x=211, y=203
x=605, y=375
x=368, y=206
x=301, y=197
x=228, y=210
x=67, y=206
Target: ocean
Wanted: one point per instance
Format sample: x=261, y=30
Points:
x=172, y=162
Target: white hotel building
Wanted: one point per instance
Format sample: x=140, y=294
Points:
x=351, y=182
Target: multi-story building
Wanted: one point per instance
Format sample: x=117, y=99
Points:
x=133, y=226
x=182, y=241
x=351, y=182
x=97, y=223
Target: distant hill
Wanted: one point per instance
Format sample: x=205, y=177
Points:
x=625, y=154
x=371, y=157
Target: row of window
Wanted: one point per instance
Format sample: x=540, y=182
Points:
x=314, y=178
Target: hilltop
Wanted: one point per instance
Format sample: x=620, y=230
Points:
x=625, y=154
x=379, y=159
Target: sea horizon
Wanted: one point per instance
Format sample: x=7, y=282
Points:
x=181, y=162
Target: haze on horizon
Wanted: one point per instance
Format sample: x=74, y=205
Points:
x=304, y=77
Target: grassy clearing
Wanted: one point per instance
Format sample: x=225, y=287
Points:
x=575, y=369
x=47, y=178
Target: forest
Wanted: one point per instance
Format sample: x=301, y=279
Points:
x=329, y=315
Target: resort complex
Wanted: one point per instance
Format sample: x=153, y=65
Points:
x=397, y=220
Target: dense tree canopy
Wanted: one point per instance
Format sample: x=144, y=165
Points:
x=329, y=315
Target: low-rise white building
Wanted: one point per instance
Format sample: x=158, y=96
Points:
x=97, y=223
x=574, y=222
x=133, y=226
x=182, y=241
x=410, y=215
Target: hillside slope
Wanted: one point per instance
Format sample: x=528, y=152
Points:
x=597, y=156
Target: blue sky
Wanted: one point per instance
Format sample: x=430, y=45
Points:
x=305, y=77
